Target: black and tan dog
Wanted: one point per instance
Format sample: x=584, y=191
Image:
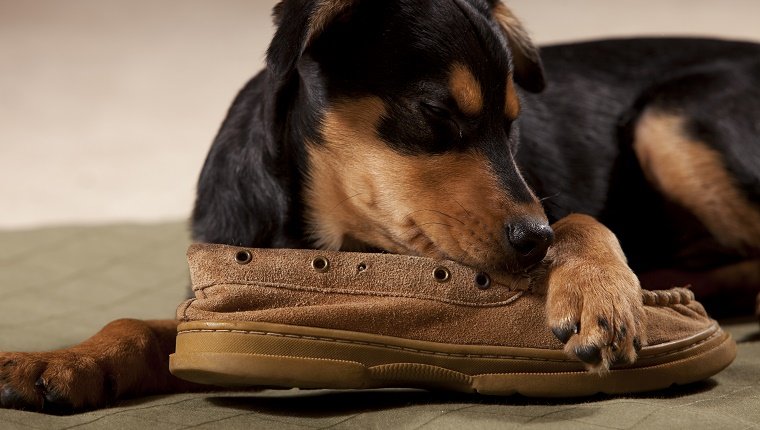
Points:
x=423, y=127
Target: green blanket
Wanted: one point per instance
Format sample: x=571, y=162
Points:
x=59, y=285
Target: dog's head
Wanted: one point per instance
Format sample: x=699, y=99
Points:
x=409, y=112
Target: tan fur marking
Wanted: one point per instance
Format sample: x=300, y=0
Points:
x=518, y=37
x=466, y=90
x=445, y=206
x=512, y=104
x=693, y=175
x=324, y=12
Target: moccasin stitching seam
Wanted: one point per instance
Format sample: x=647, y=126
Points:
x=292, y=287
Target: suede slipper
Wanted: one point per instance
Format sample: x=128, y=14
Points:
x=319, y=319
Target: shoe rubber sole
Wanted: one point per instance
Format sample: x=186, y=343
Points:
x=247, y=354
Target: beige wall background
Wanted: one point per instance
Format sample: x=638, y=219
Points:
x=107, y=107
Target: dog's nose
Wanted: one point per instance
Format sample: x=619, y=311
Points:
x=530, y=239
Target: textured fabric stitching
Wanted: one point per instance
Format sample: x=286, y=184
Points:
x=292, y=287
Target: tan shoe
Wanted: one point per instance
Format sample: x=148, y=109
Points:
x=318, y=319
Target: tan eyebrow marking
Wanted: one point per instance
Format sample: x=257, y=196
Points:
x=512, y=103
x=465, y=89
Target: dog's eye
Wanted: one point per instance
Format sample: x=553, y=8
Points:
x=436, y=110
x=442, y=115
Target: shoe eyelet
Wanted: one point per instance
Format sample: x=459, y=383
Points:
x=243, y=257
x=320, y=264
x=482, y=280
x=441, y=274
x=361, y=267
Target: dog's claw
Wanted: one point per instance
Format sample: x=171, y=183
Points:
x=589, y=354
x=605, y=326
x=564, y=333
x=621, y=335
x=52, y=402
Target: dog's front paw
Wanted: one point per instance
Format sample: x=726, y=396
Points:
x=55, y=382
x=596, y=310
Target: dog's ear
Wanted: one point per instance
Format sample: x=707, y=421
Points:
x=529, y=71
x=299, y=23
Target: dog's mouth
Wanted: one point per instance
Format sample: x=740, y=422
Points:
x=358, y=246
x=351, y=244
x=485, y=254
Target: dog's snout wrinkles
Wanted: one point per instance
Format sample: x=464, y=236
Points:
x=530, y=239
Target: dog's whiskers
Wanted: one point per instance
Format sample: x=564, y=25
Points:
x=434, y=211
x=340, y=203
x=415, y=228
x=463, y=208
x=433, y=223
x=549, y=197
x=415, y=233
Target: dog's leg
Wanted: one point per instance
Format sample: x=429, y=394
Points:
x=693, y=174
x=708, y=169
x=127, y=358
x=594, y=302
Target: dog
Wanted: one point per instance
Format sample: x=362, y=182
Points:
x=435, y=128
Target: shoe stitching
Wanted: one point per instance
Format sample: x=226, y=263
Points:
x=647, y=295
x=292, y=287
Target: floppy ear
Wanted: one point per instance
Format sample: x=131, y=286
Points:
x=529, y=72
x=299, y=23
x=249, y=186
x=242, y=198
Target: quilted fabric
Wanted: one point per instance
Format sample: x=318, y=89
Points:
x=59, y=285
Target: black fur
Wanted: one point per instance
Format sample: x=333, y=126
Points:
x=575, y=145
x=574, y=138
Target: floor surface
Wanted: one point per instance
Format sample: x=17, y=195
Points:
x=58, y=286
